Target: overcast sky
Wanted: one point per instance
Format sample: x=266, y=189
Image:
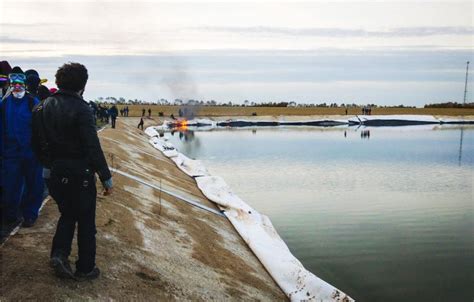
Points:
x=410, y=52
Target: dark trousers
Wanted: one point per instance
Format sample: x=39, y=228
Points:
x=76, y=199
x=113, y=122
x=22, y=187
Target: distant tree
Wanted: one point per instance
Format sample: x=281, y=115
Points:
x=449, y=104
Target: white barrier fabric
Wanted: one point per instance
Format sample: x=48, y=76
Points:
x=189, y=166
x=151, y=132
x=165, y=147
x=407, y=117
x=258, y=232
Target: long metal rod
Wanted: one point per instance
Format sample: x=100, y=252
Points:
x=465, y=84
x=189, y=201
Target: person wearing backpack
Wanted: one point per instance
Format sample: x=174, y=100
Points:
x=65, y=141
x=22, y=180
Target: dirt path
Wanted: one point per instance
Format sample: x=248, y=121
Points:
x=147, y=250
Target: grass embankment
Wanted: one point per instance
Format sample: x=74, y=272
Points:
x=136, y=110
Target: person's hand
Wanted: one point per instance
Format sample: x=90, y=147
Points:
x=108, y=191
x=108, y=186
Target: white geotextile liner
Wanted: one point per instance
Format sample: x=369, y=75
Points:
x=215, y=188
x=201, y=121
x=408, y=117
x=151, y=132
x=189, y=166
x=258, y=232
x=167, y=148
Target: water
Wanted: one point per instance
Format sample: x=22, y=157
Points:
x=384, y=214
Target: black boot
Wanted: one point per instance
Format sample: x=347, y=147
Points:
x=93, y=274
x=61, y=266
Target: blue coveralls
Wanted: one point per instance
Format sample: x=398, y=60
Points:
x=21, y=177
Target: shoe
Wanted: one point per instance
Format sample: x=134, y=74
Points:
x=61, y=266
x=93, y=274
x=28, y=223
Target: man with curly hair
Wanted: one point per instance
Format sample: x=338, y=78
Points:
x=65, y=140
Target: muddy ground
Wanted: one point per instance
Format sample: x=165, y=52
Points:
x=150, y=246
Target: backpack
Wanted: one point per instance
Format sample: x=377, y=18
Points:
x=39, y=138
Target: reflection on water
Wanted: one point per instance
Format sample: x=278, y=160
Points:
x=460, y=145
x=365, y=134
x=388, y=218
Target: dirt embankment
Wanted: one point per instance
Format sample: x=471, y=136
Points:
x=150, y=246
x=215, y=111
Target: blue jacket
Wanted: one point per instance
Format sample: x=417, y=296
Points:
x=15, y=126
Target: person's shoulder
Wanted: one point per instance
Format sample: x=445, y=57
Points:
x=83, y=105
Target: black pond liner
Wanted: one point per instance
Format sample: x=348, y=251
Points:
x=331, y=123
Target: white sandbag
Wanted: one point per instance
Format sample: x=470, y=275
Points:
x=189, y=166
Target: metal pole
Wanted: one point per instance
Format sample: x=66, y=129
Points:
x=465, y=85
x=189, y=201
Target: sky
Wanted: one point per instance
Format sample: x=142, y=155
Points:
x=382, y=52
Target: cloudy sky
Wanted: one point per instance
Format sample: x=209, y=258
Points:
x=403, y=52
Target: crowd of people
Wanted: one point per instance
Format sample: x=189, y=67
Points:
x=366, y=110
x=49, y=145
x=104, y=113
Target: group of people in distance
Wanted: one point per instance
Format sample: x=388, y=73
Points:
x=49, y=141
x=104, y=113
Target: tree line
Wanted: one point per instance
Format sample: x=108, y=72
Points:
x=247, y=103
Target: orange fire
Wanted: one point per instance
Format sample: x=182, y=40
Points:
x=182, y=124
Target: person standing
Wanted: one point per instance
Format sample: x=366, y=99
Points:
x=22, y=182
x=143, y=112
x=113, y=111
x=5, y=70
x=149, y=112
x=32, y=82
x=140, y=125
x=65, y=140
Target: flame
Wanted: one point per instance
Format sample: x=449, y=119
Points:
x=182, y=124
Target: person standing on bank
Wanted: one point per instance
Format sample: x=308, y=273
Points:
x=65, y=140
x=22, y=181
x=113, y=111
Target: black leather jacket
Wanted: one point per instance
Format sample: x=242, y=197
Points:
x=71, y=132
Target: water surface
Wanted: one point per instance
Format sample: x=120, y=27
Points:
x=384, y=214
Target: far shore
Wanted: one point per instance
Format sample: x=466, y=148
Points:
x=231, y=111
